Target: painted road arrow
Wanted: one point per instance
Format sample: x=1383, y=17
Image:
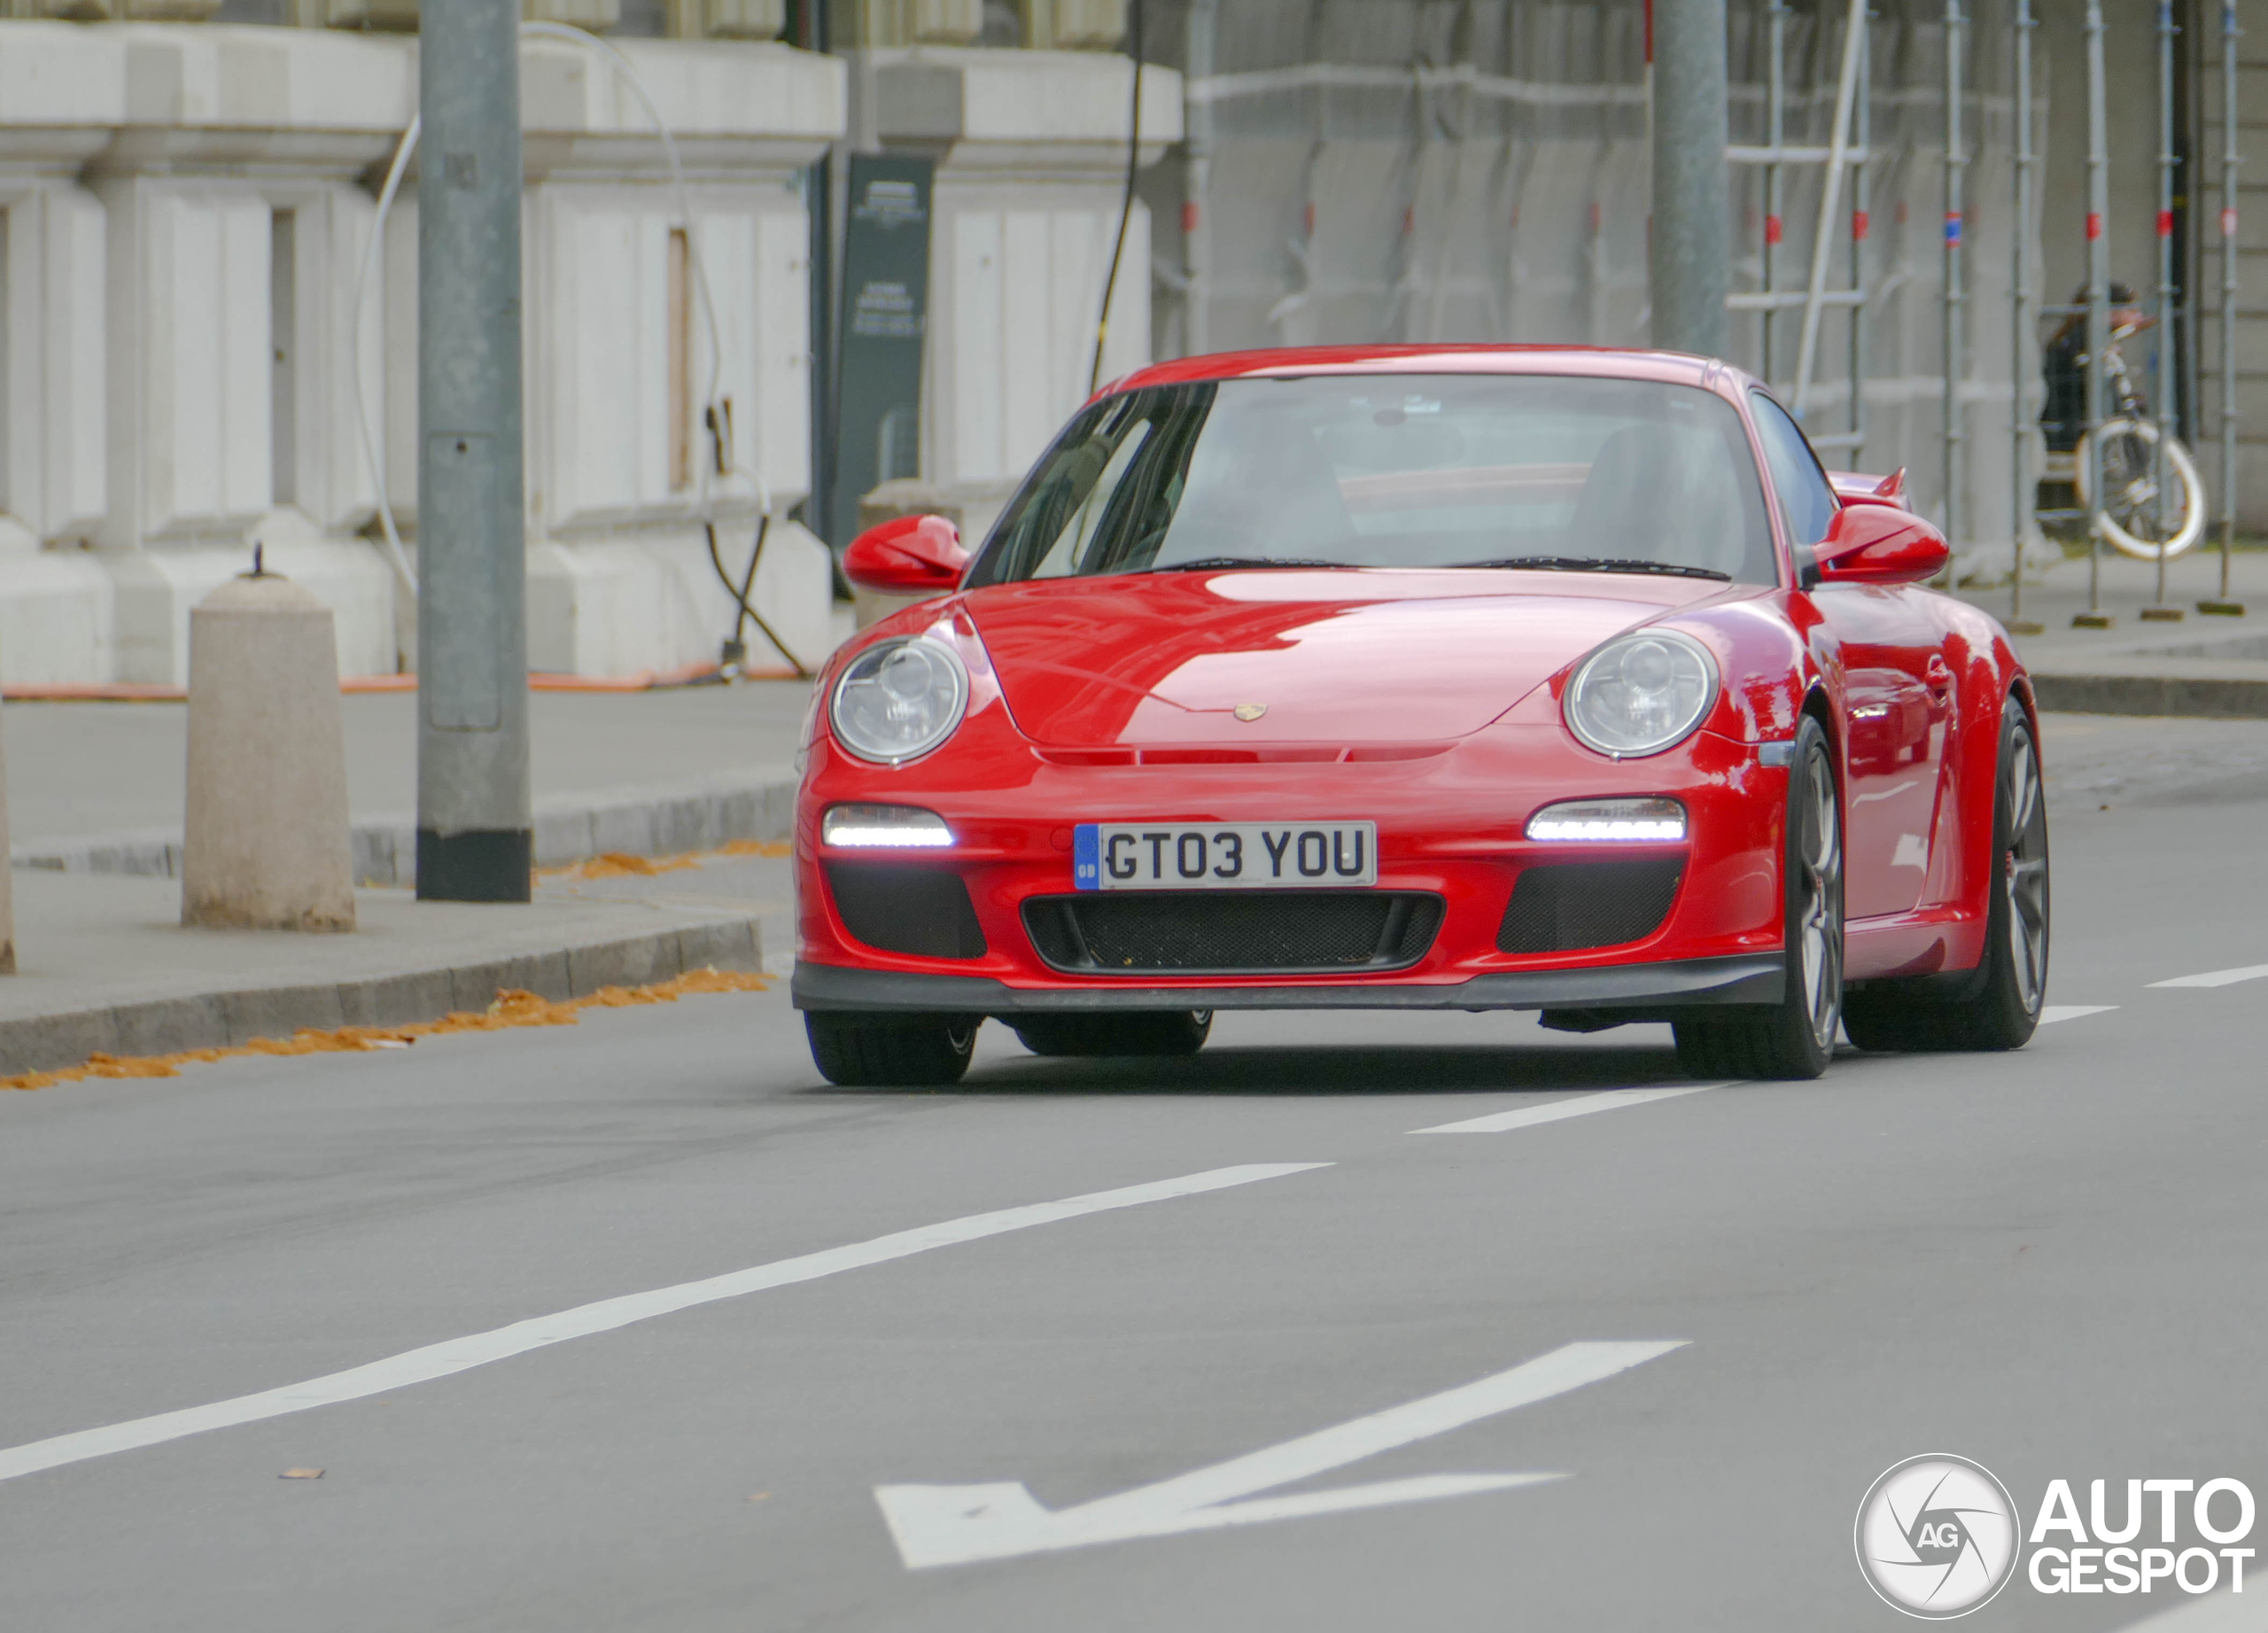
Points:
x=957, y=1525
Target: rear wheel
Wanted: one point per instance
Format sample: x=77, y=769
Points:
x=2000, y=1008
x=1173, y=1031
x=899, y=1051
x=1794, y=1038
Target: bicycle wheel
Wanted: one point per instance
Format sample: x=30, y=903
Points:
x=2140, y=517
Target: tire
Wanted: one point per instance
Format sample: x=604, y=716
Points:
x=2000, y=1008
x=2130, y=524
x=1173, y=1031
x=868, y=1052
x=1795, y=1038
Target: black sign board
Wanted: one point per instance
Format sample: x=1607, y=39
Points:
x=885, y=316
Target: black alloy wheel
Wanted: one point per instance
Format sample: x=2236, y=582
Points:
x=890, y=1052
x=1794, y=1038
x=1172, y=1032
x=1998, y=1008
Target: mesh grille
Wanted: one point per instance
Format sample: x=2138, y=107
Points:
x=923, y=910
x=1562, y=907
x=1225, y=932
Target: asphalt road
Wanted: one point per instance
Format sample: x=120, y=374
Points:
x=2049, y=1261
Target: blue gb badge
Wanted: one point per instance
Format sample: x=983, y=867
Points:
x=1086, y=866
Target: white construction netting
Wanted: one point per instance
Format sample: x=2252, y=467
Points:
x=1477, y=170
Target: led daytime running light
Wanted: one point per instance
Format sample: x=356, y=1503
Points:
x=1610, y=821
x=884, y=827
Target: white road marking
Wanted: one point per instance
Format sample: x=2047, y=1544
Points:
x=2049, y=1013
x=956, y=1525
x=2218, y=1613
x=458, y=1355
x=1581, y=1106
x=2217, y=977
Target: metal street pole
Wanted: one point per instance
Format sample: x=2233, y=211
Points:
x=1956, y=167
x=1690, y=256
x=474, y=829
x=2098, y=312
x=2229, y=159
x=2162, y=405
x=1202, y=31
x=2023, y=493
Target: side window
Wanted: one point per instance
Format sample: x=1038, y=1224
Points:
x=1806, y=500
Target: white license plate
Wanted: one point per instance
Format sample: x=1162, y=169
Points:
x=1224, y=856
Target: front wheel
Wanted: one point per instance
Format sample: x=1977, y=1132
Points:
x=1795, y=1038
x=1172, y=1032
x=876, y=1052
x=2153, y=499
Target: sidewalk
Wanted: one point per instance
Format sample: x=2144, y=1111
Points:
x=97, y=787
x=96, y=795
x=2200, y=666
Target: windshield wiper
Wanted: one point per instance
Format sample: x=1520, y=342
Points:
x=1209, y=563
x=1601, y=563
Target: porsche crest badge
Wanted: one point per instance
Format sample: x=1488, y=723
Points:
x=1249, y=712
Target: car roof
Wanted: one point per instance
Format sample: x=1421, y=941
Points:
x=1609, y=362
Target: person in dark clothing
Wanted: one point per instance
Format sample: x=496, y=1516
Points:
x=2064, y=365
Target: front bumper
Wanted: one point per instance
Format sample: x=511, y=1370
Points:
x=1643, y=989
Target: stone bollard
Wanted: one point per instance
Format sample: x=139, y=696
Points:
x=266, y=842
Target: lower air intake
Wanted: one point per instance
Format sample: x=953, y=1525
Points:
x=1566, y=906
x=1234, y=932
x=923, y=910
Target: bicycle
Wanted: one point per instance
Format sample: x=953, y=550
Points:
x=2137, y=518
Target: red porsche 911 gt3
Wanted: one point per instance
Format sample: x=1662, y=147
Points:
x=1401, y=677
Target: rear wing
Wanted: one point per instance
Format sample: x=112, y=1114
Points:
x=1854, y=488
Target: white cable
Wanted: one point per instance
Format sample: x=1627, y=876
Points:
x=711, y=404
x=401, y=152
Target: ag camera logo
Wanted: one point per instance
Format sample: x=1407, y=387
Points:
x=1936, y=1537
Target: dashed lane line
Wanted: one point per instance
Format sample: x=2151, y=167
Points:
x=1581, y=1106
x=2052, y=1013
x=2217, y=977
x=459, y=1355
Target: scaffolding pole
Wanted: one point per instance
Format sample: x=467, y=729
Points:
x=2162, y=405
x=1956, y=163
x=2229, y=159
x=2098, y=312
x=2022, y=496
x=1776, y=128
x=1861, y=195
x=1838, y=153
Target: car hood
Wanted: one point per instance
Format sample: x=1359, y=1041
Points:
x=1343, y=656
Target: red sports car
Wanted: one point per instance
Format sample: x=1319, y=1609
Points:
x=1423, y=677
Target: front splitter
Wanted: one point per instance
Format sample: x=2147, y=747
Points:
x=1756, y=978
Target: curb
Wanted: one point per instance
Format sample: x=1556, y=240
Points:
x=217, y=1020
x=2193, y=696
x=567, y=830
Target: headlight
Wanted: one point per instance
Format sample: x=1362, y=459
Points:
x=1641, y=694
x=1626, y=821
x=899, y=699
x=889, y=826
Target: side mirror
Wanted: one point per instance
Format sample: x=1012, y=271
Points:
x=912, y=555
x=1877, y=544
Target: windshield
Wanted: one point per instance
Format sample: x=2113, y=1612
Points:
x=1395, y=470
